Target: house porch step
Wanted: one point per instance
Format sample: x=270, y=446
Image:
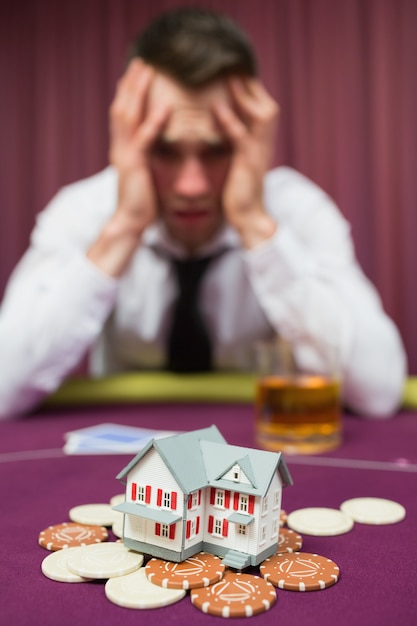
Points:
x=237, y=560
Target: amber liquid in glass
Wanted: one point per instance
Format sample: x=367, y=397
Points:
x=298, y=415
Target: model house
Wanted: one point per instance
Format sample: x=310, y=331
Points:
x=194, y=492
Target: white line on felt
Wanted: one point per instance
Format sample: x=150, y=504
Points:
x=29, y=455
x=391, y=466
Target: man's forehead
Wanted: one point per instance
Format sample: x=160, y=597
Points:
x=191, y=114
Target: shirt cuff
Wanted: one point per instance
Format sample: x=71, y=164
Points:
x=278, y=262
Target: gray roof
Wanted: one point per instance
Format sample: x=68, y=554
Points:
x=182, y=454
x=201, y=457
x=259, y=466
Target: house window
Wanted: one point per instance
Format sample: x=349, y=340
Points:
x=263, y=534
x=275, y=526
x=141, y=493
x=264, y=506
x=194, y=503
x=236, y=473
x=167, y=499
x=217, y=526
x=219, y=498
x=163, y=530
x=243, y=503
x=241, y=529
x=277, y=499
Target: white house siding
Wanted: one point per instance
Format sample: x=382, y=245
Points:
x=267, y=523
x=195, y=519
x=256, y=537
x=152, y=472
x=230, y=475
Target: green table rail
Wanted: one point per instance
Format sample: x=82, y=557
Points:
x=156, y=387
x=166, y=387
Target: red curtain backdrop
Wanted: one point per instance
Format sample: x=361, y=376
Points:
x=343, y=71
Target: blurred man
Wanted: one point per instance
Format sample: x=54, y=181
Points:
x=186, y=250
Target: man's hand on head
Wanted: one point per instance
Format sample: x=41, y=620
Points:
x=133, y=131
x=250, y=127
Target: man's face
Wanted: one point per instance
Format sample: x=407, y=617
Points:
x=190, y=161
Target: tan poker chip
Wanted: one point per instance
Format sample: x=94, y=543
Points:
x=94, y=514
x=320, y=521
x=235, y=595
x=54, y=566
x=300, y=571
x=71, y=535
x=200, y=570
x=289, y=541
x=135, y=591
x=104, y=560
x=374, y=510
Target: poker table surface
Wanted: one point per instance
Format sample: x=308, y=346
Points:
x=39, y=484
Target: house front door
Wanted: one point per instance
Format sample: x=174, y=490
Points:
x=241, y=537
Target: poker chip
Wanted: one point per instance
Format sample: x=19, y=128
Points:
x=320, y=521
x=300, y=571
x=118, y=499
x=70, y=535
x=135, y=591
x=283, y=518
x=374, y=510
x=104, y=560
x=54, y=566
x=94, y=514
x=235, y=595
x=289, y=541
x=200, y=570
x=117, y=526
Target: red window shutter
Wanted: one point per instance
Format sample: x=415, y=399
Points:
x=199, y=497
x=134, y=491
x=174, y=500
x=158, y=529
x=210, y=523
x=227, y=499
x=188, y=531
x=148, y=494
x=172, y=531
x=159, y=498
x=212, y=495
x=236, y=501
x=190, y=501
x=197, y=525
x=225, y=528
x=251, y=504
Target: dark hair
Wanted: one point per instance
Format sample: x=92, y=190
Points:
x=195, y=46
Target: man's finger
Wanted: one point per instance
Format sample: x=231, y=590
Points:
x=252, y=99
x=128, y=106
x=151, y=127
x=233, y=127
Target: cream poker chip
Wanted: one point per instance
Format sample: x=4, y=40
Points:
x=54, y=566
x=320, y=521
x=93, y=514
x=373, y=510
x=104, y=560
x=135, y=591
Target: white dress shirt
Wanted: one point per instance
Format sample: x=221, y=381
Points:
x=304, y=284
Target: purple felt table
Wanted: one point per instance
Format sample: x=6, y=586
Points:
x=378, y=563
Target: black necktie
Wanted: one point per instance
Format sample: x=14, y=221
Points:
x=189, y=345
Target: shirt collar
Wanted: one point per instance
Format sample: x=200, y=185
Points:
x=156, y=236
